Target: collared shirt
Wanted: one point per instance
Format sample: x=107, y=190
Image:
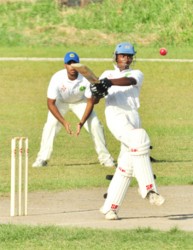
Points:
x=123, y=96
x=68, y=91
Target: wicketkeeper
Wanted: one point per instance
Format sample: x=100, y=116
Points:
x=121, y=88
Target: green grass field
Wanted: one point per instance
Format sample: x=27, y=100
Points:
x=43, y=238
x=40, y=29
x=166, y=112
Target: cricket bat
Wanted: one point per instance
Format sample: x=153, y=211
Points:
x=86, y=72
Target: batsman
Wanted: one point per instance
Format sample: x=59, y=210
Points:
x=121, y=89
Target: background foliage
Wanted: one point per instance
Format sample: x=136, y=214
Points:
x=145, y=22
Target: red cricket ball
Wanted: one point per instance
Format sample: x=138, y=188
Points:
x=163, y=51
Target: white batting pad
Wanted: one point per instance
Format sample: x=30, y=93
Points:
x=144, y=174
x=125, y=160
x=142, y=169
x=116, y=191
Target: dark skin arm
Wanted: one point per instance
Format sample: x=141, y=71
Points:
x=89, y=108
x=124, y=81
x=54, y=110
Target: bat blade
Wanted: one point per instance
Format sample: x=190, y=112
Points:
x=86, y=72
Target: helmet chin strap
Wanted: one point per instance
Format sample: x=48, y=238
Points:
x=126, y=66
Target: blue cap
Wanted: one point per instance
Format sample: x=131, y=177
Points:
x=125, y=48
x=71, y=56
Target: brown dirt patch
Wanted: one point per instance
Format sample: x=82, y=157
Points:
x=80, y=208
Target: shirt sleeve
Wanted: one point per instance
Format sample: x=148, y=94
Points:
x=103, y=75
x=137, y=75
x=87, y=92
x=52, y=89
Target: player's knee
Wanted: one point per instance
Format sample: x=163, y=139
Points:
x=140, y=142
x=125, y=165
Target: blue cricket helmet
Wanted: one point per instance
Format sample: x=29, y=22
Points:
x=125, y=48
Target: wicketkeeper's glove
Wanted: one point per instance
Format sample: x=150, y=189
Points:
x=100, y=90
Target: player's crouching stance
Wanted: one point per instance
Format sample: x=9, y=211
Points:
x=66, y=92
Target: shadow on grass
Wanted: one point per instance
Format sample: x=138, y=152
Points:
x=75, y=164
x=166, y=161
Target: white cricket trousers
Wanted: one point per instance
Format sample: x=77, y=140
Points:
x=120, y=121
x=53, y=126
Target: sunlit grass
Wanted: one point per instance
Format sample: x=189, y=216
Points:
x=50, y=237
x=166, y=112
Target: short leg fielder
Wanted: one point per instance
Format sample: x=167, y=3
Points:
x=132, y=162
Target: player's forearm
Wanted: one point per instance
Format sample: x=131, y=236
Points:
x=88, y=111
x=124, y=81
x=54, y=110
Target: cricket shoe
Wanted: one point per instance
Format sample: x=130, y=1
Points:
x=101, y=210
x=111, y=215
x=155, y=199
x=39, y=163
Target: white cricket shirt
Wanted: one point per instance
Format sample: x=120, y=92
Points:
x=123, y=96
x=60, y=87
